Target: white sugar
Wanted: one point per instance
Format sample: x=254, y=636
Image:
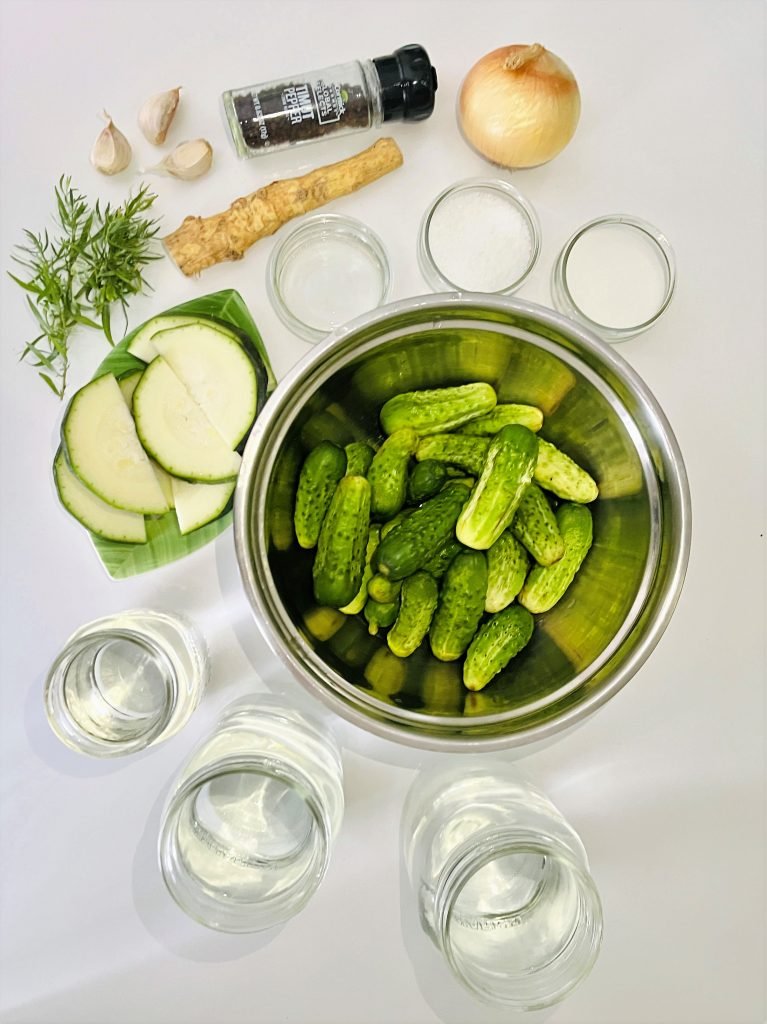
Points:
x=480, y=241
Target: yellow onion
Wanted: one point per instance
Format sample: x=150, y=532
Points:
x=519, y=106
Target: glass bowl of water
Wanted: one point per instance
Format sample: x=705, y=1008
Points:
x=325, y=272
x=617, y=275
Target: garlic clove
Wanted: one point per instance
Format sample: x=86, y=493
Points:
x=111, y=152
x=156, y=115
x=189, y=160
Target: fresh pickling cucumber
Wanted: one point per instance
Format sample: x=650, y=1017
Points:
x=386, y=673
x=535, y=525
x=418, y=601
x=380, y=614
x=382, y=589
x=427, y=529
x=433, y=412
x=388, y=473
x=438, y=564
x=559, y=474
x=468, y=453
x=323, y=623
x=507, y=471
x=359, y=455
x=507, y=565
x=356, y=605
x=461, y=604
x=387, y=527
x=547, y=584
x=340, y=560
x=499, y=640
x=503, y=416
x=425, y=480
x=322, y=469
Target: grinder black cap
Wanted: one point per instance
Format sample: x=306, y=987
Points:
x=408, y=83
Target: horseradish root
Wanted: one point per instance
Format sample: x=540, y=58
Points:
x=202, y=242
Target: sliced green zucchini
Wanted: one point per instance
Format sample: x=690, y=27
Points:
x=128, y=385
x=217, y=373
x=104, y=451
x=198, y=504
x=165, y=481
x=176, y=432
x=94, y=514
x=142, y=346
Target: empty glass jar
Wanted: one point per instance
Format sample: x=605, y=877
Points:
x=502, y=883
x=250, y=822
x=126, y=681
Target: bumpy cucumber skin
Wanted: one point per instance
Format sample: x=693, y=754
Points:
x=418, y=602
x=427, y=529
x=387, y=528
x=535, y=525
x=380, y=614
x=557, y=472
x=339, y=563
x=358, y=603
x=388, y=473
x=507, y=472
x=438, y=564
x=529, y=416
x=383, y=590
x=359, y=455
x=433, y=412
x=547, y=584
x=322, y=469
x=499, y=640
x=507, y=565
x=468, y=453
x=461, y=604
x=425, y=480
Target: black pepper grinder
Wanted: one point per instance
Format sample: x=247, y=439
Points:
x=334, y=101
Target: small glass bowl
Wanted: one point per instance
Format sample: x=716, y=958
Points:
x=657, y=247
x=436, y=277
x=328, y=270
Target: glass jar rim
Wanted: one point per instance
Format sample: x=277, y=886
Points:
x=339, y=226
x=61, y=721
x=429, y=267
x=564, y=300
x=240, y=916
x=476, y=853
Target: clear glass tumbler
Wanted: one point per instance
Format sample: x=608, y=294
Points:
x=249, y=825
x=503, y=884
x=125, y=682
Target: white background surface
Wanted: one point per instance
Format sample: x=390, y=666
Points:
x=665, y=785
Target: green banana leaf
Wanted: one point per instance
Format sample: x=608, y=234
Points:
x=164, y=543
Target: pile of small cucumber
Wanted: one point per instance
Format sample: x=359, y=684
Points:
x=445, y=530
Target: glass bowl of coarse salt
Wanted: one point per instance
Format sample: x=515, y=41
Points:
x=479, y=235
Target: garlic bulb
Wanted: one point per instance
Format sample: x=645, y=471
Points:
x=188, y=160
x=519, y=106
x=156, y=115
x=111, y=151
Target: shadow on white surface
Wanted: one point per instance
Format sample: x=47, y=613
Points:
x=166, y=922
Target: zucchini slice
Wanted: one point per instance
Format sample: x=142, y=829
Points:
x=142, y=346
x=103, y=450
x=198, y=504
x=176, y=432
x=94, y=514
x=128, y=385
x=217, y=373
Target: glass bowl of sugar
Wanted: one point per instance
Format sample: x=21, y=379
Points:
x=479, y=235
x=616, y=275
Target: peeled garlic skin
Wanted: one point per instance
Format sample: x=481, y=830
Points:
x=520, y=118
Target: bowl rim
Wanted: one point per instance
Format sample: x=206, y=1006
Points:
x=402, y=732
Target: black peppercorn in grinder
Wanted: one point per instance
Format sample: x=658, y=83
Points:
x=333, y=101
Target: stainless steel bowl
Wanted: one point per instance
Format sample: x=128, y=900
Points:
x=590, y=644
